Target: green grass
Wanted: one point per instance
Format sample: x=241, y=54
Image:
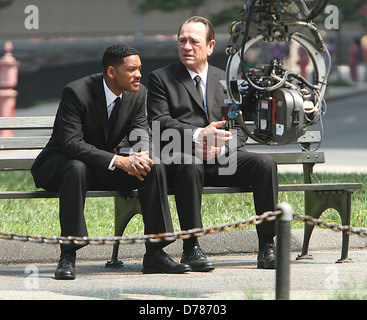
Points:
x=350, y=291
x=40, y=216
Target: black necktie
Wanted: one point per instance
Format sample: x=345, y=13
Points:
x=198, y=88
x=200, y=92
x=113, y=116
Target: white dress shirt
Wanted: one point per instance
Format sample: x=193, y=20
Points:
x=203, y=83
x=110, y=98
x=110, y=103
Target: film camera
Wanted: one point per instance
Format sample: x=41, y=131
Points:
x=274, y=105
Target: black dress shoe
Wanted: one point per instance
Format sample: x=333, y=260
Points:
x=266, y=258
x=160, y=262
x=196, y=259
x=66, y=268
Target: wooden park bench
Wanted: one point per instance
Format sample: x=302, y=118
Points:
x=19, y=152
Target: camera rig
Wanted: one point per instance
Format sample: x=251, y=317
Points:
x=272, y=104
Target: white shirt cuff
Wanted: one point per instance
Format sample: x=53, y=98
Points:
x=111, y=167
x=196, y=135
x=223, y=151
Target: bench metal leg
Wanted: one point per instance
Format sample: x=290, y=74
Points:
x=125, y=209
x=315, y=204
x=346, y=221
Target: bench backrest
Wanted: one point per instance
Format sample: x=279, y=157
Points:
x=18, y=152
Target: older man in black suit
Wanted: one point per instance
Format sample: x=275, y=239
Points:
x=187, y=96
x=94, y=115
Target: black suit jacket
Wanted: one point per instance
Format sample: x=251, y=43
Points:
x=174, y=101
x=81, y=127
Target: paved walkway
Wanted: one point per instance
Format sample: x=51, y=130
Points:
x=235, y=277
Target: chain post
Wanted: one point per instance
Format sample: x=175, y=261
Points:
x=283, y=248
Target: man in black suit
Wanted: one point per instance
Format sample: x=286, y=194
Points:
x=94, y=115
x=187, y=96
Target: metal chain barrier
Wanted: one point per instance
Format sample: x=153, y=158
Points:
x=362, y=232
x=170, y=236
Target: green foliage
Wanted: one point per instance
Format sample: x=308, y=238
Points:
x=349, y=10
x=146, y=6
x=350, y=291
x=226, y=16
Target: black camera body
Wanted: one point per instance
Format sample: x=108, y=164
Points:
x=280, y=117
x=274, y=105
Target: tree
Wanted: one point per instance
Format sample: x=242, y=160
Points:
x=4, y=3
x=225, y=16
x=145, y=6
x=350, y=11
x=228, y=15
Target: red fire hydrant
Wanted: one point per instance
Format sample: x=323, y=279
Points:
x=8, y=81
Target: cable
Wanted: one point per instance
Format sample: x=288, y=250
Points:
x=291, y=14
x=319, y=6
x=244, y=40
x=316, y=10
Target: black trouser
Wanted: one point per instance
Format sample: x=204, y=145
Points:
x=74, y=179
x=246, y=169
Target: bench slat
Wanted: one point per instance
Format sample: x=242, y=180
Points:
x=207, y=190
x=46, y=122
x=25, y=123
x=39, y=142
x=18, y=143
x=298, y=157
x=17, y=159
x=23, y=159
x=290, y=187
x=11, y=165
x=321, y=187
x=308, y=137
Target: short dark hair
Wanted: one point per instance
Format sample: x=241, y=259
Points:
x=115, y=54
x=197, y=19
